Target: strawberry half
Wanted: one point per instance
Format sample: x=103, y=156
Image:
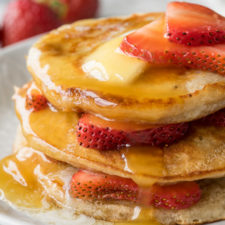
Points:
x=93, y=132
x=87, y=185
x=148, y=43
x=178, y=196
x=193, y=24
x=99, y=186
x=36, y=101
x=216, y=119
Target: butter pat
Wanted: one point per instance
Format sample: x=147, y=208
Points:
x=108, y=64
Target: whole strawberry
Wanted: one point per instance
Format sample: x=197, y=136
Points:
x=72, y=10
x=1, y=36
x=26, y=18
x=80, y=9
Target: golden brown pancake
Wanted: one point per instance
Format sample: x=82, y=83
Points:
x=66, y=65
x=200, y=154
x=53, y=183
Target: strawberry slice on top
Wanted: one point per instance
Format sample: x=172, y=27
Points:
x=88, y=185
x=94, y=132
x=148, y=43
x=193, y=24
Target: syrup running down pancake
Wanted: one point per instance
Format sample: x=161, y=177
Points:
x=201, y=154
x=47, y=183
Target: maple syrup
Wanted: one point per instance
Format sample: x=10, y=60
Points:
x=20, y=181
x=54, y=133
x=141, y=216
x=144, y=160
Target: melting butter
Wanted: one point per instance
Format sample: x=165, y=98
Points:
x=108, y=63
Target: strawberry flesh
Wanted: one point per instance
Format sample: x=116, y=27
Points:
x=193, y=24
x=99, y=186
x=88, y=185
x=96, y=133
x=178, y=196
x=149, y=44
x=159, y=136
x=216, y=119
x=92, y=133
x=36, y=102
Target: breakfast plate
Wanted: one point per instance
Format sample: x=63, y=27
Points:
x=13, y=73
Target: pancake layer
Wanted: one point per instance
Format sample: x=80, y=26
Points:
x=59, y=63
x=201, y=154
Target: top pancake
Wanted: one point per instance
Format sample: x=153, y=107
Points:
x=153, y=95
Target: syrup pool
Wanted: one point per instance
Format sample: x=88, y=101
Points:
x=21, y=178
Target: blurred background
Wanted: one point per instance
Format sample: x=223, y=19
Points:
x=97, y=8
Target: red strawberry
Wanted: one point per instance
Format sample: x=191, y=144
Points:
x=148, y=43
x=193, y=24
x=159, y=136
x=215, y=119
x=72, y=10
x=93, y=132
x=1, y=36
x=36, y=101
x=26, y=18
x=98, y=186
x=178, y=196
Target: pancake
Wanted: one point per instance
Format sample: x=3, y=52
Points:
x=53, y=183
x=200, y=154
x=78, y=68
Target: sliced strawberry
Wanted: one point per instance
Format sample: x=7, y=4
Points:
x=178, y=196
x=193, y=24
x=148, y=43
x=216, y=119
x=159, y=136
x=36, y=101
x=93, y=132
x=98, y=186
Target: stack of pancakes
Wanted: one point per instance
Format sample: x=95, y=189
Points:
x=65, y=69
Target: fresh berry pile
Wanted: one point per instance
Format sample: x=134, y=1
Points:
x=195, y=39
x=26, y=18
x=72, y=10
x=98, y=186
